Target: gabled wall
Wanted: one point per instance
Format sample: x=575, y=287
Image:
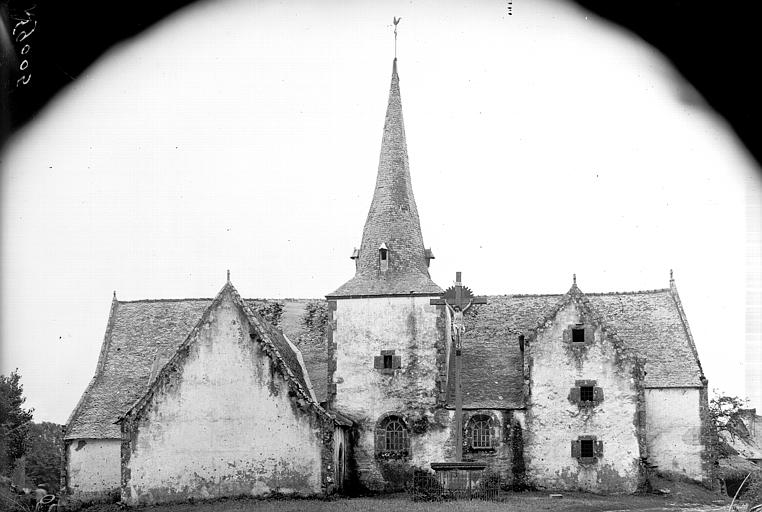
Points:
x=221, y=423
x=553, y=421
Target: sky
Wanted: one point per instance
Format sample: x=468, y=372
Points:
x=245, y=136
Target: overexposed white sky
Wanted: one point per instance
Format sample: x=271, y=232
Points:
x=245, y=136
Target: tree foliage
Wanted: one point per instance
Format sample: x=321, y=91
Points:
x=14, y=421
x=723, y=411
x=315, y=316
x=43, y=455
x=271, y=311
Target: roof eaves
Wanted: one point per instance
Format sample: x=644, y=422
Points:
x=99, y=366
x=684, y=320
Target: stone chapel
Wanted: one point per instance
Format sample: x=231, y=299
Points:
x=205, y=398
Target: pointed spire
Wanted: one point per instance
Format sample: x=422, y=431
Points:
x=392, y=219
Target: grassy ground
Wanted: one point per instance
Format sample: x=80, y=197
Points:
x=683, y=497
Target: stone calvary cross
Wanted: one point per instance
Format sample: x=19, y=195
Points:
x=458, y=299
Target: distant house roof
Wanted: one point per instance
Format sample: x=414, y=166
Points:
x=651, y=323
x=141, y=337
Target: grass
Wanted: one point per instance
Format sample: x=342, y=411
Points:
x=695, y=500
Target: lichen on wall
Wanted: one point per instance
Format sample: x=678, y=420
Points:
x=410, y=326
x=553, y=421
x=222, y=424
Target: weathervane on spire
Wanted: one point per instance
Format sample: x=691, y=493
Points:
x=396, y=22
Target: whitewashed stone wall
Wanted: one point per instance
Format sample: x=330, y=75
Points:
x=553, y=422
x=408, y=325
x=93, y=469
x=223, y=425
x=673, y=431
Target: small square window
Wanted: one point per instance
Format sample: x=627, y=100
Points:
x=389, y=363
x=586, y=448
x=578, y=335
x=587, y=393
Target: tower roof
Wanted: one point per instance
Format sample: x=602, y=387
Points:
x=392, y=222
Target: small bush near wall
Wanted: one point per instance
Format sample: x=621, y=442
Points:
x=397, y=474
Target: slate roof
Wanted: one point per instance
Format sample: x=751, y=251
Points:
x=141, y=336
x=652, y=323
x=284, y=355
x=492, y=372
x=138, y=334
x=392, y=220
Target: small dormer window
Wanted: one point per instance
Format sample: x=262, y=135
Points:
x=383, y=257
x=578, y=334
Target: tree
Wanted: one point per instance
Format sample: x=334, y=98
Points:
x=14, y=421
x=43, y=454
x=723, y=411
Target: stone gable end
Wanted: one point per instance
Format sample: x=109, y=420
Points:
x=591, y=438
x=221, y=423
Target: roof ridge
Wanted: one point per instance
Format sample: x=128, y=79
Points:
x=526, y=295
x=162, y=300
x=287, y=299
x=634, y=292
x=523, y=295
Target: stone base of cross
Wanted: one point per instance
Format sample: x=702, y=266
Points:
x=458, y=299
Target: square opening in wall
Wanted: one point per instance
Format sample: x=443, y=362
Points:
x=388, y=362
x=578, y=334
x=586, y=393
x=586, y=448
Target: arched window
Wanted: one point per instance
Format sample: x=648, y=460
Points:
x=480, y=432
x=392, y=439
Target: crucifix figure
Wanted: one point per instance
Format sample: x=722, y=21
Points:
x=458, y=299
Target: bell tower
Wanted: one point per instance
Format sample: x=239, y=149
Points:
x=386, y=344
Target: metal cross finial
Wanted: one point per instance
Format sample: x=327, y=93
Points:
x=671, y=276
x=396, y=22
x=574, y=278
x=228, y=275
